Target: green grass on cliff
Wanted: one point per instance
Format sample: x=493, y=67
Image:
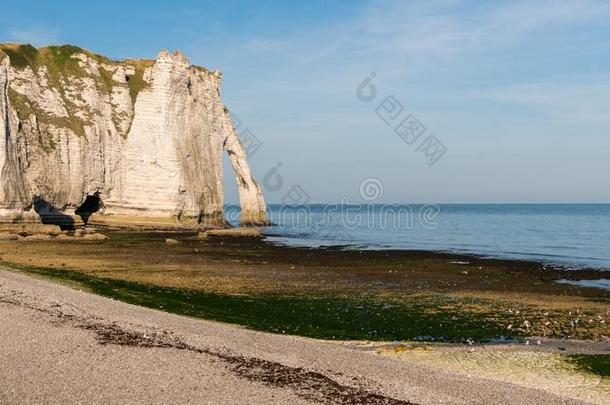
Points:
x=201, y=69
x=136, y=82
x=62, y=67
x=60, y=63
x=58, y=59
x=21, y=56
x=62, y=55
x=24, y=109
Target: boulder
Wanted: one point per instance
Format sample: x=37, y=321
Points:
x=37, y=238
x=31, y=229
x=244, y=232
x=66, y=238
x=94, y=236
x=8, y=236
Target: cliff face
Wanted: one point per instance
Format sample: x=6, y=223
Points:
x=140, y=139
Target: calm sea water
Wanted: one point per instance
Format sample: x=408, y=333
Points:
x=573, y=235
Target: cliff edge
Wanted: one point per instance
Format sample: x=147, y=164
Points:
x=129, y=142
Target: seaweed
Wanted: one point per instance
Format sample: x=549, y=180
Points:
x=598, y=364
x=430, y=317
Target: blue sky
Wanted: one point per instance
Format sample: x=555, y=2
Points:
x=517, y=92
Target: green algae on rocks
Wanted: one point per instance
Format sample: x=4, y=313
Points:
x=598, y=364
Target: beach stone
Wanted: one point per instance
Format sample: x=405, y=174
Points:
x=8, y=236
x=52, y=230
x=31, y=229
x=244, y=232
x=64, y=237
x=37, y=238
x=171, y=242
x=94, y=236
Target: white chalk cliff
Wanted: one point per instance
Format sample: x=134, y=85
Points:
x=140, y=139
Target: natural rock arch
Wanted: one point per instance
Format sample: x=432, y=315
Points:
x=146, y=137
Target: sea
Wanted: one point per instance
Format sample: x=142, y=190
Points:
x=570, y=235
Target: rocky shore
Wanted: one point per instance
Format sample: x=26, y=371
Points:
x=380, y=295
x=40, y=233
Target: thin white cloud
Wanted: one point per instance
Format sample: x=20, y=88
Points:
x=447, y=28
x=586, y=102
x=397, y=38
x=396, y=34
x=36, y=36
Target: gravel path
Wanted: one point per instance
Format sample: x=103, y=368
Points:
x=61, y=345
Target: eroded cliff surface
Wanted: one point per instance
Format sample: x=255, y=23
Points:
x=140, y=139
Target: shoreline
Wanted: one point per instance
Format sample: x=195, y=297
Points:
x=572, y=274
x=464, y=254
x=467, y=256
x=547, y=270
